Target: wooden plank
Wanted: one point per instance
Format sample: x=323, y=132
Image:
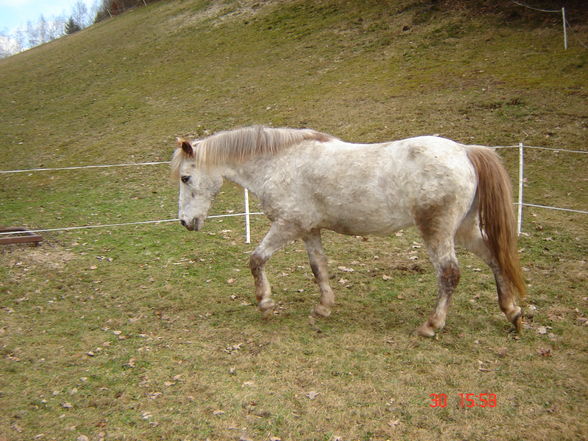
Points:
x=21, y=236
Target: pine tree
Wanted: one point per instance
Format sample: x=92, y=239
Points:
x=71, y=26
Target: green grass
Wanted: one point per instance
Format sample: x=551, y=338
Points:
x=150, y=332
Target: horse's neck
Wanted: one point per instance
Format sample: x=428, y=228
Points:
x=249, y=175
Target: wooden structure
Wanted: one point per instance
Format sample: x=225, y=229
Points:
x=21, y=235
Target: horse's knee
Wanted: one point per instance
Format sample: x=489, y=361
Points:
x=256, y=262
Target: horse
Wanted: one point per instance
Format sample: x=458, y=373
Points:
x=307, y=181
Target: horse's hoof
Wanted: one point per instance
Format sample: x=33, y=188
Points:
x=268, y=314
x=321, y=311
x=426, y=331
x=518, y=322
x=266, y=305
x=515, y=316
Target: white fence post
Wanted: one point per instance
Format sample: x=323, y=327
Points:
x=247, y=222
x=563, y=17
x=521, y=186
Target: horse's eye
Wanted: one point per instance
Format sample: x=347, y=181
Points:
x=185, y=179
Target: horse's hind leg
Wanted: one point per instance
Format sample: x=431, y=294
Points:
x=470, y=237
x=318, y=263
x=442, y=255
x=279, y=235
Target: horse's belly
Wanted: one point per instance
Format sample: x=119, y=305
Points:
x=357, y=222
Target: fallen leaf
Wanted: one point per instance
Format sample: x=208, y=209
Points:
x=345, y=269
x=66, y=405
x=394, y=423
x=231, y=281
x=233, y=348
x=312, y=395
x=218, y=412
x=386, y=277
x=542, y=330
x=545, y=352
x=501, y=352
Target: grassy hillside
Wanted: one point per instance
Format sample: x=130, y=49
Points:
x=149, y=332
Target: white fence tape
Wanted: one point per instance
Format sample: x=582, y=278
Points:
x=561, y=11
x=520, y=204
x=81, y=167
x=124, y=224
x=247, y=213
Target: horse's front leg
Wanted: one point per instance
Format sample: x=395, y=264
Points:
x=279, y=235
x=318, y=264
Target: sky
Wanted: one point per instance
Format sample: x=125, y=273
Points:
x=16, y=13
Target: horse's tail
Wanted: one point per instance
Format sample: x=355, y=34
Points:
x=495, y=211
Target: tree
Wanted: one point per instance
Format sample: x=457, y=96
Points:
x=71, y=26
x=32, y=35
x=110, y=8
x=43, y=30
x=80, y=14
x=7, y=45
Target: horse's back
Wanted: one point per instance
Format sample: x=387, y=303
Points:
x=378, y=188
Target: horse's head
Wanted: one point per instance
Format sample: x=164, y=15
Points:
x=198, y=186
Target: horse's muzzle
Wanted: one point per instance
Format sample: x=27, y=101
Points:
x=194, y=225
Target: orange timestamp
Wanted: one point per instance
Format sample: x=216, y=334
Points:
x=465, y=400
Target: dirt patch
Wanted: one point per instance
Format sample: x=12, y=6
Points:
x=52, y=257
x=218, y=13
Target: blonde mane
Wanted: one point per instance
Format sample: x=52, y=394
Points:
x=239, y=145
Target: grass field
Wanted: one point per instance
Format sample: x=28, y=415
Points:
x=151, y=332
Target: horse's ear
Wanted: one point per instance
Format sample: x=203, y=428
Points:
x=186, y=146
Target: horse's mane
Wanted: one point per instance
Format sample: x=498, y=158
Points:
x=239, y=145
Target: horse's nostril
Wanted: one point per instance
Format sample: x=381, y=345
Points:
x=183, y=222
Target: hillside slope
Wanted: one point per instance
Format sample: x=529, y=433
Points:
x=366, y=71
x=123, y=89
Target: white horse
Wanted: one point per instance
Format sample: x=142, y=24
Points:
x=307, y=181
